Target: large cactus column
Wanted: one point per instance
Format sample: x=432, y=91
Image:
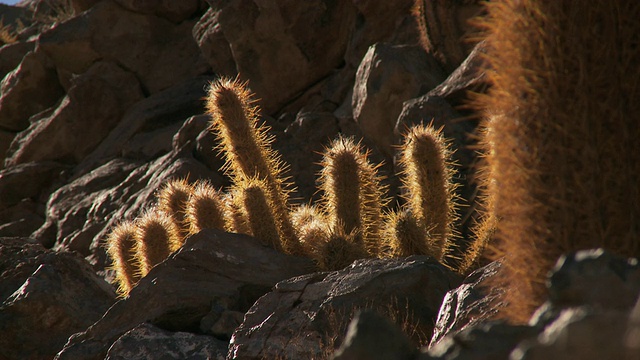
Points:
x=562, y=138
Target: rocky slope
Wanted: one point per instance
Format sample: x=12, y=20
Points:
x=101, y=103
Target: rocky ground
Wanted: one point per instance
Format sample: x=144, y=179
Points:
x=101, y=103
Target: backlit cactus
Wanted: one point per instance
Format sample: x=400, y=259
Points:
x=173, y=199
x=157, y=236
x=120, y=246
x=205, y=209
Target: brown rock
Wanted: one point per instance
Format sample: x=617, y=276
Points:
x=21, y=219
x=170, y=106
x=274, y=49
x=388, y=76
x=299, y=318
x=46, y=297
x=174, y=11
x=109, y=32
x=213, y=45
x=150, y=342
x=446, y=30
x=12, y=54
x=79, y=6
x=229, y=271
x=30, y=88
x=94, y=105
x=27, y=181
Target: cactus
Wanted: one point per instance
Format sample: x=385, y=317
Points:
x=338, y=251
x=173, y=199
x=352, y=193
x=120, y=246
x=157, y=236
x=406, y=236
x=427, y=179
x=246, y=147
x=205, y=209
x=562, y=146
x=252, y=198
x=235, y=217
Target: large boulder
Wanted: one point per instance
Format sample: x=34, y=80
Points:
x=45, y=297
x=29, y=89
x=304, y=316
x=157, y=51
x=274, y=49
x=214, y=273
x=93, y=106
x=387, y=77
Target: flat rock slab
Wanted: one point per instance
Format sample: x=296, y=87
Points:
x=213, y=273
x=301, y=317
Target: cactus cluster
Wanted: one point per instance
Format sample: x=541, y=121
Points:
x=347, y=224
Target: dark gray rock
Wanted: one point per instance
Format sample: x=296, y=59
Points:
x=46, y=297
x=483, y=341
x=301, y=317
x=229, y=271
x=371, y=336
x=213, y=45
x=150, y=342
x=467, y=305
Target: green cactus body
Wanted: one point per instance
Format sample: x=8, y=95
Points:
x=120, y=246
x=352, y=193
x=563, y=141
x=427, y=180
x=246, y=147
x=172, y=200
x=205, y=209
x=157, y=236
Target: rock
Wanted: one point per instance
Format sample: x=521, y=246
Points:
x=46, y=297
x=27, y=181
x=274, y=50
x=94, y=105
x=371, y=336
x=298, y=319
x=168, y=107
x=580, y=333
x=109, y=32
x=12, y=54
x=79, y=6
x=174, y=11
x=388, y=76
x=446, y=29
x=30, y=88
x=213, y=268
x=391, y=22
x=467, y=305
x=594, y=278
x=21, y=219
x=487, y=340
x=214, y=46
x=150, y=342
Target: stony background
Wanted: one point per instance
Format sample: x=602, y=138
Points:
x=101, y=103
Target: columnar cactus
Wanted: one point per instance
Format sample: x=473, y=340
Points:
x=173, y=199
x=157, y=236
x=246, y=147
x=562, y=146
x=205, y=209
x=120, y=246
x=429, y=190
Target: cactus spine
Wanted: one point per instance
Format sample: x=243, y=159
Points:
x=205, y=209
x=172, y=200
x=157, y=236
x=246, y=146
x=563, y=146
x=259, y=212
x=120, y=246
x=427, y=179
x=352, y=193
